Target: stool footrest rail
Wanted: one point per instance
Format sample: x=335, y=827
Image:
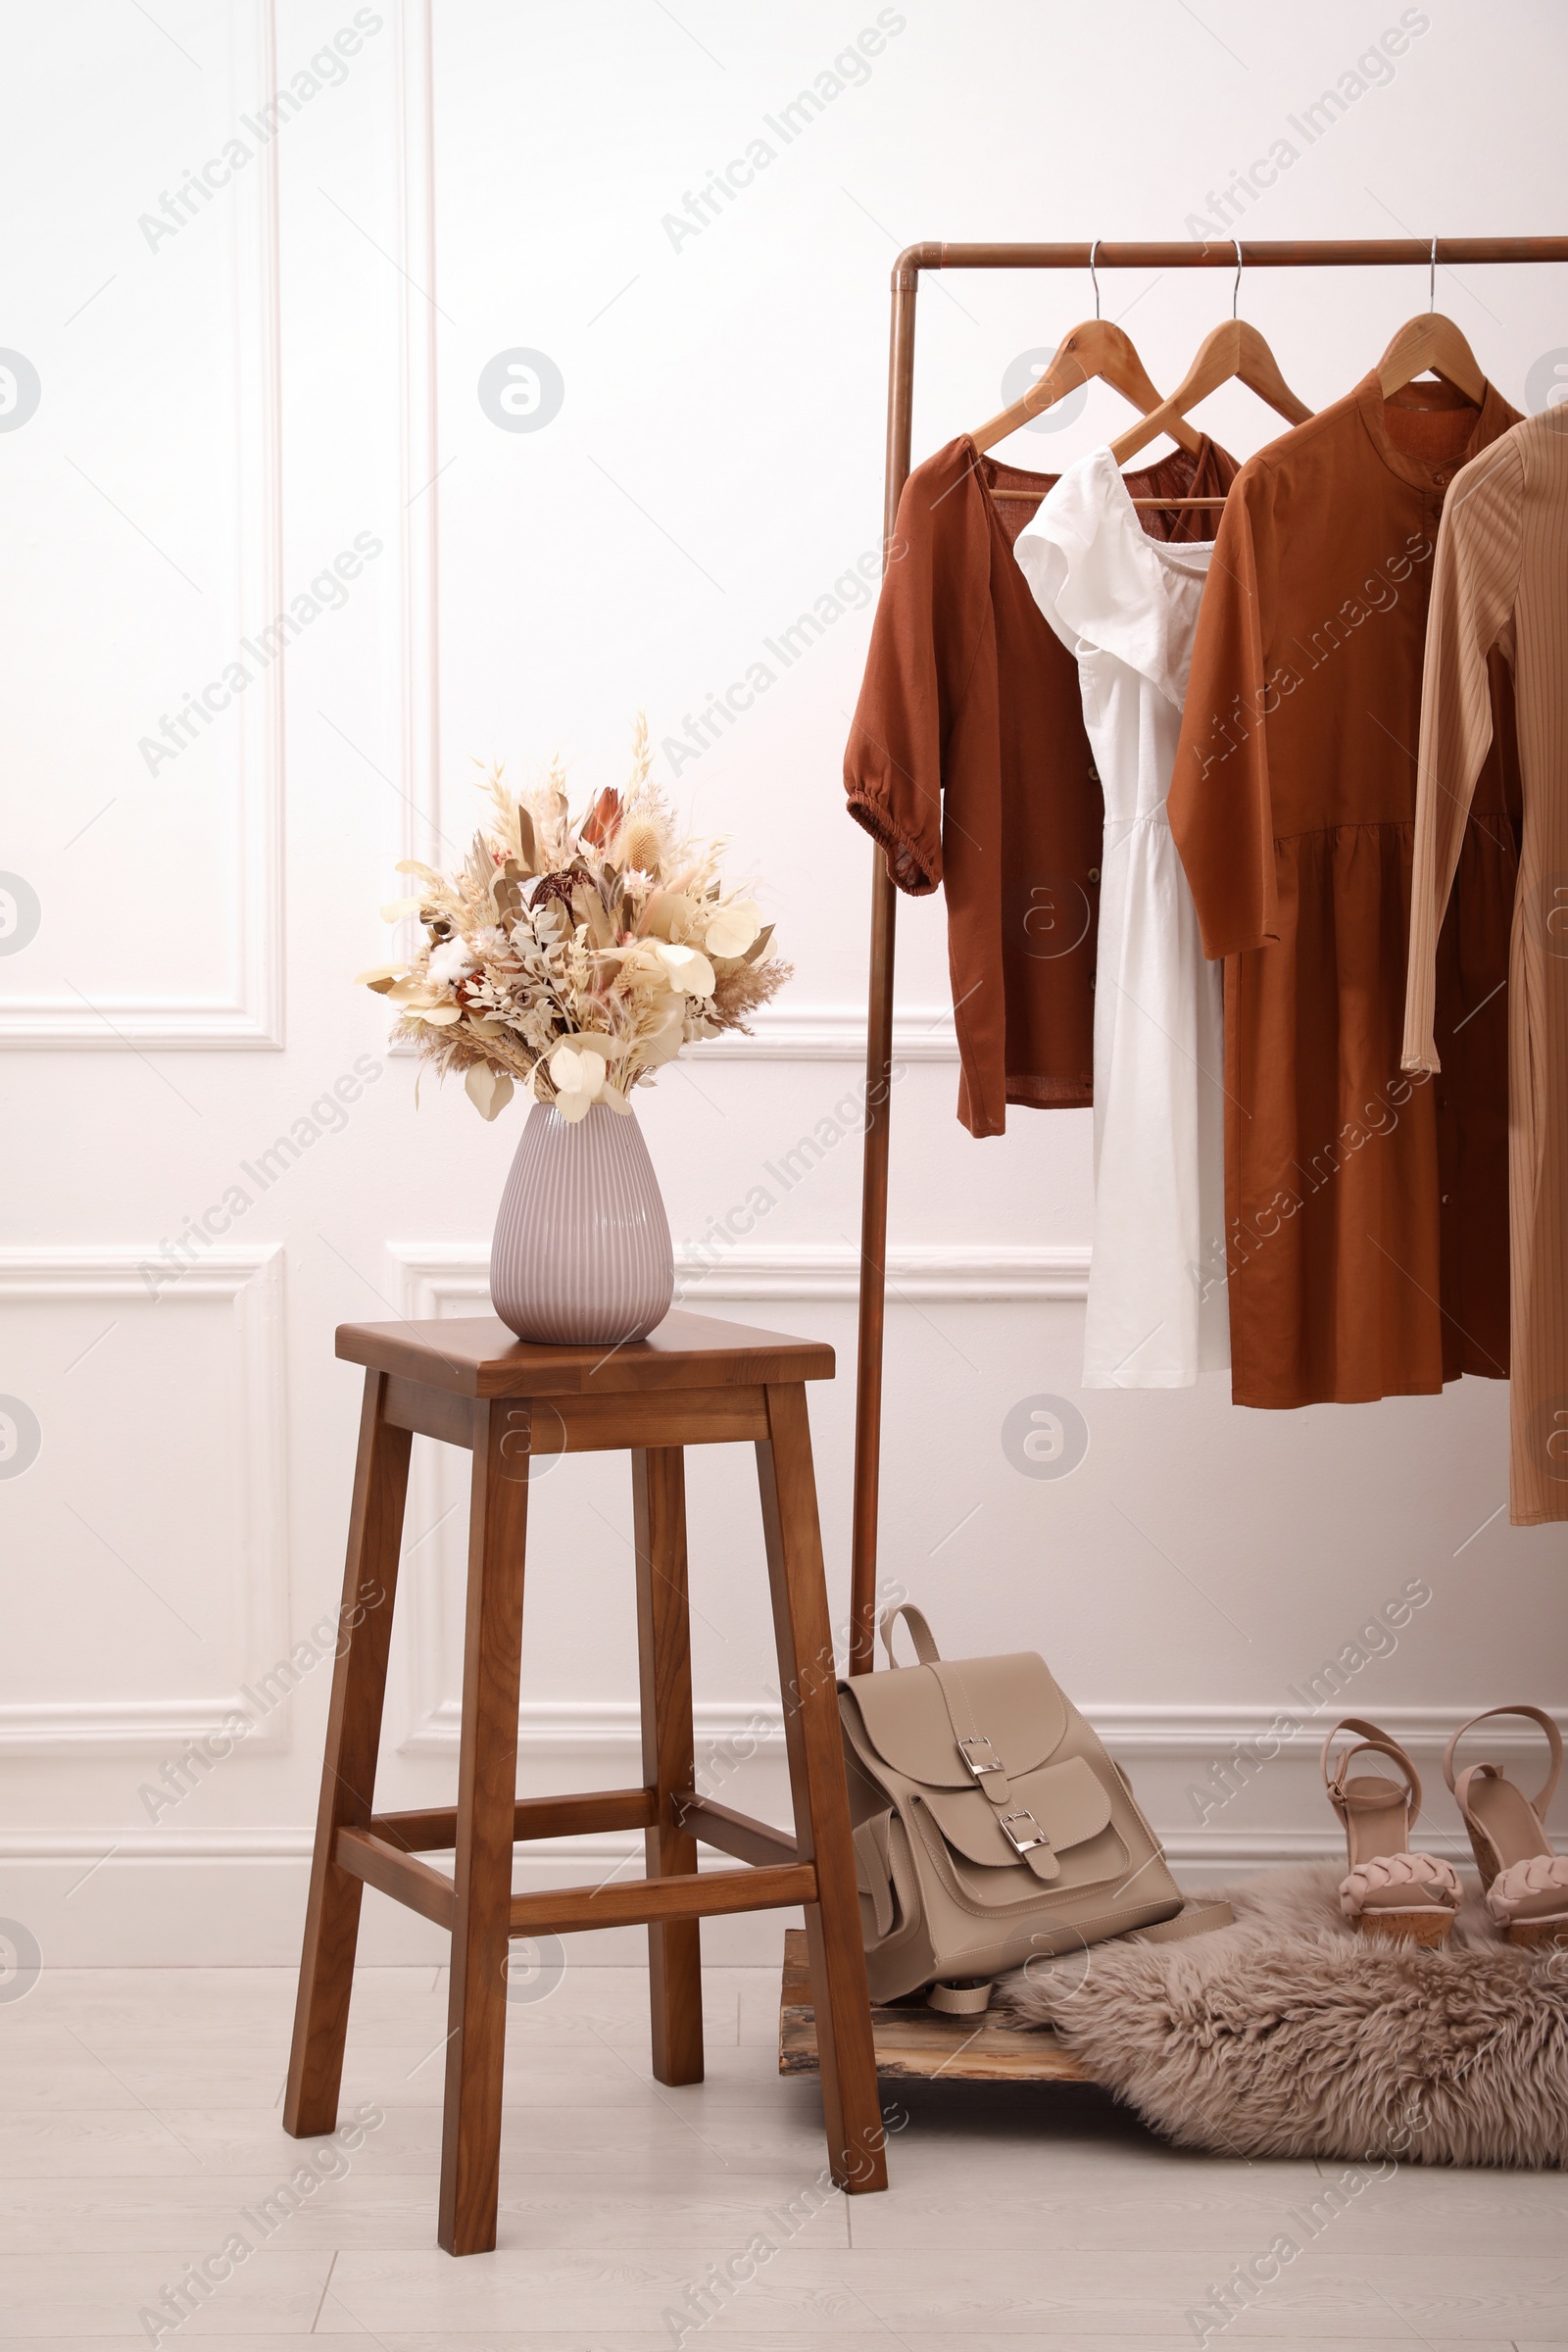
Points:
x=635, y=1902
x=434, y=1829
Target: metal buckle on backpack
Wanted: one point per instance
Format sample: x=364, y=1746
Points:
x=979, y=1769
x=1023, y=1831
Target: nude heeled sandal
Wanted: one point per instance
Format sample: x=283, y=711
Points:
x=1390, y=1891
x=1525, y=1883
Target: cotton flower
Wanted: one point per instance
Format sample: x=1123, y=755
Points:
x=734, y=927
x=450, y=963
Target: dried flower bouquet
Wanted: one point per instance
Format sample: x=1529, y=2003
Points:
x=573, y=957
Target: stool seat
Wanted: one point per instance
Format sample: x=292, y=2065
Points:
x=477, y=1355
x=696, y=1380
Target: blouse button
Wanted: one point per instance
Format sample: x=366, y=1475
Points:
x=1093, y=873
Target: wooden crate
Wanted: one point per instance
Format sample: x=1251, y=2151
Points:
x=913, y=2040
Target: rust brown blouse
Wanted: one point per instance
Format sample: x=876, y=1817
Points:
x=1367, y=1211
x=969, y=763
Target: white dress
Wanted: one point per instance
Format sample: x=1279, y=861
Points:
x=1126, y=606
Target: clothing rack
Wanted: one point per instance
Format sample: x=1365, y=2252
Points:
x=1382, y=253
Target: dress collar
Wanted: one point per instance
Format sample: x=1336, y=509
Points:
x=1493, y=416
x=1110, y=485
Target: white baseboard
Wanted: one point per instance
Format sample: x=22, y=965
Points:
x=237, y=1898
x=247, y=1909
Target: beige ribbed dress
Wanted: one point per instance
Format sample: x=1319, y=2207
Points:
x=1501, y=580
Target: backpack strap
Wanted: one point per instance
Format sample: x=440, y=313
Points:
x=985, y=1762
x=989, y=1770
x=874, y=1867
x=1192, y=1919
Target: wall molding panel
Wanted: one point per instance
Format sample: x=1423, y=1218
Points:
x=254, y=1016
x=252, y=1281
x=432, y=1273
x=833, y=1033
x=805, y=1033
x=419, y=497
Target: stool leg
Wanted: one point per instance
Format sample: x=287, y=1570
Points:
x=665, y=1659
x=487, y=1795
x=348, y=1770
x=856, y=2150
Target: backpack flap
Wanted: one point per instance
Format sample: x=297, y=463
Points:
x=1054, y=1811
x=908, y=1724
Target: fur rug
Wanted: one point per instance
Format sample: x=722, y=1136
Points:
x=1288, y=2035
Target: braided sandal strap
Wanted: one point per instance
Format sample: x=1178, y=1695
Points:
x=1423, y=1880
x=1513, y=1887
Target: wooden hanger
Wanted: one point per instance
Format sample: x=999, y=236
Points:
x=1430, y=340
x=1096, y=347
x=1233, y=349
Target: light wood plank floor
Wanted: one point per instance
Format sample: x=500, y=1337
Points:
x=140, y=2131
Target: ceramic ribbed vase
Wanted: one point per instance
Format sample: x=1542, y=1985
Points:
x=581, y=1249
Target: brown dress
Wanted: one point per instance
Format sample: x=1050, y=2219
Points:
x=1367, y=1212
x=969, y=763
x=1502, y=581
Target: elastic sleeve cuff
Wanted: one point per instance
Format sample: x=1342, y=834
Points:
x=914, y=870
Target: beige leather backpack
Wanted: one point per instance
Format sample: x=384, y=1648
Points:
x=990, y=1824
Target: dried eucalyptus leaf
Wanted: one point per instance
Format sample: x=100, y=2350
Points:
x=489, y=1090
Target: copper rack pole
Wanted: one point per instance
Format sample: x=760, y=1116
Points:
x=878, y=1069
x=1328, y=253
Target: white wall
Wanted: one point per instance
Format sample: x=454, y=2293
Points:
x=227, y=409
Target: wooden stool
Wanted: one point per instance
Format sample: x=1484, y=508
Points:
x=694, y=1381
